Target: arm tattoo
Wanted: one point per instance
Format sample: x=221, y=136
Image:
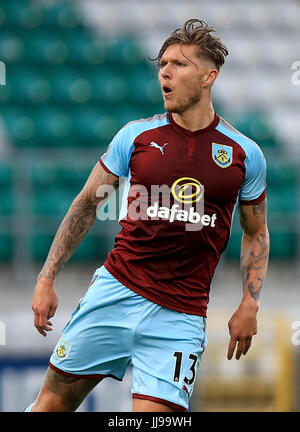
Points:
x=255, y=293
x=260, y=209
x=256, y=263
x=255, y=249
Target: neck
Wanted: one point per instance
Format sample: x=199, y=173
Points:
x=197, y=117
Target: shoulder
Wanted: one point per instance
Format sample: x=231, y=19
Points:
x=136, y=127
x=250, y=147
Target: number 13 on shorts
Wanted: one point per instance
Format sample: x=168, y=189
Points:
x=193, y=358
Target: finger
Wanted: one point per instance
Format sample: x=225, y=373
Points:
x=43, y=318
x=49, y=326
x=247, y=345
x=46, y=328
x=40, y=330
x=52, y=311
x=36, y=317
x=231, y=348
x=36, y=322
x=240, y=348
x=42, y=322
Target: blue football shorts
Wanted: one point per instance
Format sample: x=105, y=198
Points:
x=112, y=328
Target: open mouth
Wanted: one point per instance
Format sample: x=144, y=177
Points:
x=166, y=90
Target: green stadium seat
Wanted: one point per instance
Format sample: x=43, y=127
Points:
x=60, y=80
x=95, y=127
x=63, y=15
x=55, y=187
x=284, y=244
x=5, y=94
x=144, y=86
x=52, y=201
x=125, y=50
x=43, y=174
x=85, y=50
x=282, y=172
x=40, y=245
x=74, y=175
x=45, y=47
x=54, y=126
x=93, y=247
x=282, y=187
x=6, y=202
x=6, y=189
x=28, y=86
x=12, y=47
x=20, y=125
x=106, y=128
x=23, y=14
x=283, y=200
x=6, y=174
x=109, y=87
x=6, y=246
x=48, y=174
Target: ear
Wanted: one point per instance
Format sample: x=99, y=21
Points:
x=209, y=78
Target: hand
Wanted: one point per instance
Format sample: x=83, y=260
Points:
x=242, y=327
x=44, y=304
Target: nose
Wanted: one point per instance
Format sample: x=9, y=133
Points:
x=165, y=71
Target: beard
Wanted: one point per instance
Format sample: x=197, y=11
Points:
x=180, y=105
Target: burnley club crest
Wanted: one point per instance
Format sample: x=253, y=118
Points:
x=222, y=155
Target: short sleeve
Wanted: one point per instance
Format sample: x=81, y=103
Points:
x=254, y=184
x=117, y=157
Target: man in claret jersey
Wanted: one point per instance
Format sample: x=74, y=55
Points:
x=146, y=306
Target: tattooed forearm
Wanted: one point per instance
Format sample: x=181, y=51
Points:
x=255, y=248
x=255, y=294
x=254, y=265
x=256, y=257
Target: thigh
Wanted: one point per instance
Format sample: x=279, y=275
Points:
x=97, y=340
x=166, y=358
x=61, y=393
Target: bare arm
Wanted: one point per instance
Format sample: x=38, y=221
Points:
x=74, y=227
x=254, y=263
x=254, y=250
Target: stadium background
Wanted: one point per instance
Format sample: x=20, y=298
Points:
x=76, y=72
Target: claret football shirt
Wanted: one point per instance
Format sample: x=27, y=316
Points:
x=180, y=191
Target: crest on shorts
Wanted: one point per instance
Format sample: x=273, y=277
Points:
x=62, y=349
x=222, y=154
